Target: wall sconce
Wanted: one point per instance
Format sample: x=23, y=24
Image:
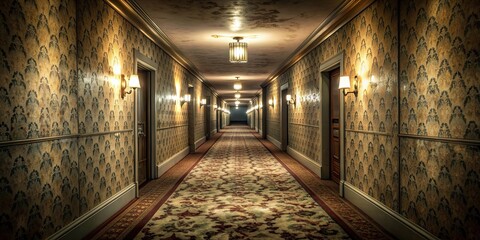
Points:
x=133, y=84
x=290, y=100
x=203, y=102
x=270, y=102
x=186, y=98
x=345, y=84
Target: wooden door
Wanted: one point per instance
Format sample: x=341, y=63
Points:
x=334, y=126
x=284, y=113
x=143, y=161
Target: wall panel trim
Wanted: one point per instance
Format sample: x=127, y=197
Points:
x=171, y=127
x=440, y=139
x=167, y=164
x=90, y=220
x=304, y=160
x=54, y=138
x=303, y=125
x=369, y=132
x=390, y=220
x=200, y=141
x=274, y=141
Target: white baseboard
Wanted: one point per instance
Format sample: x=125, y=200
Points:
x=274, y=141
x=89, y=221
x=200, y=142
x=164, y=166
x=390, y=220
x=306, y=161
x=213, y=132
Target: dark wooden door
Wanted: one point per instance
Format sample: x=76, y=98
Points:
x=334, y=126
x=284, y=120
x=143, y=161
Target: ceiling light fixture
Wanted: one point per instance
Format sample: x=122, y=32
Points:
x=238, y=51
x=237, y=95
x=237, y=86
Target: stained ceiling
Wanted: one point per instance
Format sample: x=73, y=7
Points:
x=273, y=29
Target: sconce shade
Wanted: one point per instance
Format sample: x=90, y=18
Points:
x=134, y=82
x=270, y=102
x=288, y=97
x=117, y=69
x=203, y=101
x=238, y=51
x=344, y=82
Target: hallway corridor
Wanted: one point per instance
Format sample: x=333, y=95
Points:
x=237, y=190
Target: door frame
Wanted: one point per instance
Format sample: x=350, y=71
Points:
x=336, y=61
x=283, y=112
x=149, y=65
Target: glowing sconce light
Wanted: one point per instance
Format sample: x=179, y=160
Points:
x=238, y=51
x=133, y=84
x=345, y=84
x=186, y=98
x=203, y=102
x=270, y=102
x=290, y=100
x=117, y=69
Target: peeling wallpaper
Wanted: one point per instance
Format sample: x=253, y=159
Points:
x=57, y=82
x=424, y=57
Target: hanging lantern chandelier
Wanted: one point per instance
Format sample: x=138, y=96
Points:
x=238, y=51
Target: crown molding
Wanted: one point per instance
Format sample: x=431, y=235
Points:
x=337, y=19
x=134, y=14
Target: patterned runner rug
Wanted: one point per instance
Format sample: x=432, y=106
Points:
x=240, y=191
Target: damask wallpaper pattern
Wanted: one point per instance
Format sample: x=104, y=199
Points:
x=39, y=190
x=370, y=46
x=62, y=102
x=303, y=117
x=439, y=100
x=273, y=112
x=424, y=59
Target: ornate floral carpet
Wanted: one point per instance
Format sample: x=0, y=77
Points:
x=242, y=188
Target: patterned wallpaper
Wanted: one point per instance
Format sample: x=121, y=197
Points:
x=439, y=97
x=432, y=183
x=303, y=118
x=370, y=44
x=39, y=190
x=201, y=91
x=57, y=82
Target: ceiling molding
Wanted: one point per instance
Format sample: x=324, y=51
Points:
x=337, y=19
x=133, y=13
